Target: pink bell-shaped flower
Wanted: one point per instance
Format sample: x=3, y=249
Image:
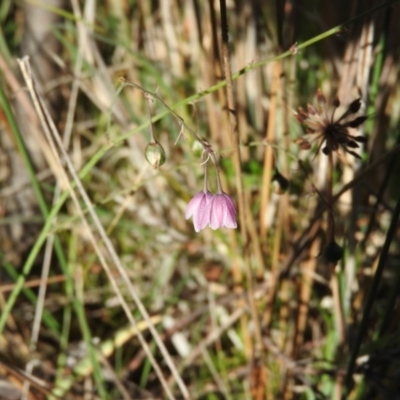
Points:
x=221, y=212
x=215, y=210
x=198, y=208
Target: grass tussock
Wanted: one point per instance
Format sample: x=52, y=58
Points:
x=277, y=122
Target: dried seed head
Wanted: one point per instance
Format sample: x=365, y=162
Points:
x=333, y=253
x=282, y=182
x=331, y=133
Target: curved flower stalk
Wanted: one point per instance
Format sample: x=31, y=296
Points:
x=207, y=209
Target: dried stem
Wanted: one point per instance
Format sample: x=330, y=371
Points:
x=372, y=294
x=235, y=137
x=329, y=186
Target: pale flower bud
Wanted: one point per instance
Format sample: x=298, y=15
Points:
x=155, y=154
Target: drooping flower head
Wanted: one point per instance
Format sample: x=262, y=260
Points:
x=321, y=126
x=215, y=210
x=222, y=212
x=198, y=208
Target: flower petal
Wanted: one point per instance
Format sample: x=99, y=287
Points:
x=217, y=212
x=193, y=205
x=222, y=212
x=230, y=220
x=197, y=208
x=201, y=217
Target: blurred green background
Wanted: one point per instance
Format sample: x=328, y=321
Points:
x=252, y=313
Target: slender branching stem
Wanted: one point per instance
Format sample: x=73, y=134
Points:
x=207, y=148
x=149, y=101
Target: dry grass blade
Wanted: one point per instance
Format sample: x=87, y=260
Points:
x=243, y=207
x=55, y=142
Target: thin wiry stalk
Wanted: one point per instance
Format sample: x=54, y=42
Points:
x=207, y=148
x=48, y=125
x=38, y=193
x=390, y=306
x=118, y=383
x=39, y=309
x=233, y=123
x=374, y=90
x=235, y=137
x=46, y=230
x=106, y=348
x=337, y=308
x=329, y=188
x=268, y=155
x=50, y=241
x=254, y=239
x=302, y=241
x=308, y=269
x=149, y=95
x=20, y=375
x=267, y=318
x=338, y=312
x=152, y=137
x=72, y=104
x=214, y=335
x=372, y=294
x=66, y=141
x=214, y=372
x=53, y=137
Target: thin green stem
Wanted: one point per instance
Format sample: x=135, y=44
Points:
x=152, y=137
x=41, y=202
x=48, y=318
x=205, y=182
x=148, y=94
